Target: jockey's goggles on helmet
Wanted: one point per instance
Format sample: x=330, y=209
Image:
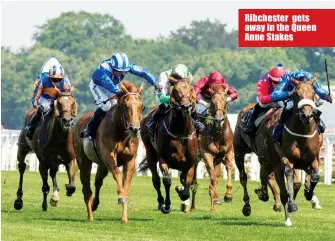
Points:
x=119, y=73
x=56, y=80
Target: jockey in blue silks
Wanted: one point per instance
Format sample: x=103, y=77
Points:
x=284, y=91
x=104, y=85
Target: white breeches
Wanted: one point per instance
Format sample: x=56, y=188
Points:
x=100, y=94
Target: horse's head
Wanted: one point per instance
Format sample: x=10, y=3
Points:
x=65, y=107
x=303, y=99
x=182, y=96
x=131, y=106
x=219, y=104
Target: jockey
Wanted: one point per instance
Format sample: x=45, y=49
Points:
x=203, y=84
x=264, y=88
x=46, y=87
x=284, y=90
x=181, y=72
x=104, y=85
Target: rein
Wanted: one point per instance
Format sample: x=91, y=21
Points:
x=189, y=137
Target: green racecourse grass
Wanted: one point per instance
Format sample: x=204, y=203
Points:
x=68, y=220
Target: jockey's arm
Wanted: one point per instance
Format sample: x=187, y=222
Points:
x=66, y=85
x=143, y=73
x=320, y=91
x=281, y=92
x=38, y=89
x=199, y=85
x=101, y=77
x=263, y=92
x=231, y=92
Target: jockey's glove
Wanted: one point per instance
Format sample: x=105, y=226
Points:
x=228, y=99
x=119, y=94
x=158, y=88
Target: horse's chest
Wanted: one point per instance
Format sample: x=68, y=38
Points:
x=301, y=152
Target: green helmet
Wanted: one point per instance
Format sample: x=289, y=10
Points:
x=180, y=70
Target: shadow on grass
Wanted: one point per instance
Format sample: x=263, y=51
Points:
x=96, y=220
x=237, y=221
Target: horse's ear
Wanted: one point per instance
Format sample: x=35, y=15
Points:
x=314, y=79
x=123, y=88
x=193, y=95
x=72, y=89
x=141, y=88
x=74, y=109
x=55, y=107
x=210, y=90
x=294, y=81
x=172, y=99
x=226, y=90
x=172, y=80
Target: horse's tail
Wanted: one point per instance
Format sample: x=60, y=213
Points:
x=143, y=166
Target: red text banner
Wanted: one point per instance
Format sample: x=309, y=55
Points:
x=286, y=28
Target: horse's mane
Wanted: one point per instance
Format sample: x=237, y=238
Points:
x=217, y=88
x=129, y=86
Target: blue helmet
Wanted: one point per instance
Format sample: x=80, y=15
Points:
x=120, y=62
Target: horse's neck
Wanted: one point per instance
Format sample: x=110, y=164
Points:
x=179, y=124
x=296, y=125
x=54, y=128
x=117, y=123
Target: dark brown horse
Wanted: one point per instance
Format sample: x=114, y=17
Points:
x=216, y=142
x=52, y=144
x=300, y=149
x=116, y=146
x=174, y=145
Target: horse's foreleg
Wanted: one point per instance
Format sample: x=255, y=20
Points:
x=262, y=192
x=184, y=193
x=229, y=167
x=289, y=172
x=277, y=207
x=296, y=182
x=45, y=187
x=283, y=194
x=55, y=196
x=128, y=172
x=85, y=178
x=102, y=172
x=315, y=201
x=194, y=187
x=166, y=208
x=21, y=155
x=71, y=173
x=209, y=163
x=314, y=180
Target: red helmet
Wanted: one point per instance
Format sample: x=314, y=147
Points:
x=216, y=78
x=276, y=72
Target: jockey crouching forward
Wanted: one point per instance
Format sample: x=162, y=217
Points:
x=46, y=87
x=284, y=91
x=104, y=85
x=264, y=89
x=179, y=72
x=204, y=83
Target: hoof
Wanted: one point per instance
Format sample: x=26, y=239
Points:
x=316, y=206
x=122, y=200
x=124, y=220
x=263, y=196
x=44, y=206
x=246, y=210
x=95, y=204
x=277, y=207
x=288, y=222
x=165, y=209
x=217, y=202
x=227, y=199
x=292, y=207
x=308, y=195
x=18, y=204
x=185, y=208
x=70, y=189
x=160, y=205
x=54, y=201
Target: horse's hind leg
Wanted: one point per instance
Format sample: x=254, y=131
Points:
x=314, y=180
x=315, y=201
x=55, y=196
x=289, y=172
x=23, y=150
x=262, y=192
x=102, y=172
x=229, y=166
x=194, y=187
x=277, y=207
x=85, y=166
x=71, y=173
x=45, y=186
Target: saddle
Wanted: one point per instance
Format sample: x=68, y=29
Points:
x=90, y=149
x=265, y=115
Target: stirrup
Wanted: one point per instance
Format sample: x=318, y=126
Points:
x=85, y=133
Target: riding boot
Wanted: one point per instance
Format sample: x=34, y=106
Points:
x=35, y=119
x=250, y=125
x=156, y=115
x=198, y=125
x=93, y=124
x=278, y=129
x=321, y=125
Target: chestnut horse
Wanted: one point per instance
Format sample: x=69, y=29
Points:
x=216, y=142
x=52, y=144
x=174, y=145
x=116, y=145
x=300, y=150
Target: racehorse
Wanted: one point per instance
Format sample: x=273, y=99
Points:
x=52, y=144
x=216, y=142
x=115, y=146
x=174, y=145
x=301, y=150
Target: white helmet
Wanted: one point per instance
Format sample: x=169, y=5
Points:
x=120, y=62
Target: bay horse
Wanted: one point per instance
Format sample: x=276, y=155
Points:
x=303, y=150
x=116, y=145
x=52, y=144
x=216, y=142
x=174, y=145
